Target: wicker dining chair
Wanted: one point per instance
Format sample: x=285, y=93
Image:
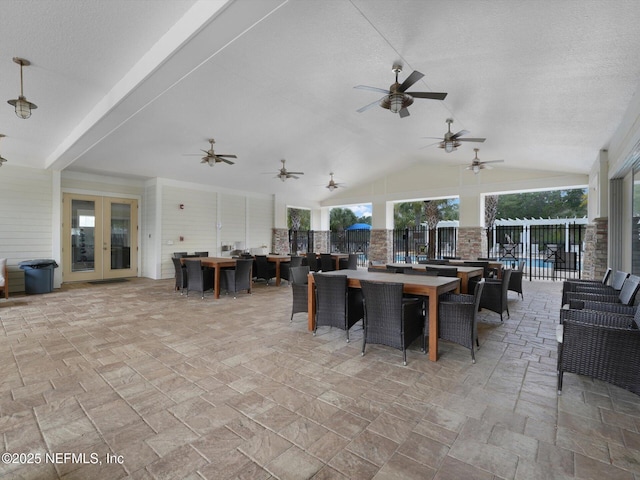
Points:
x=265, y=269
x=199, y=279
x=336, y=304
x=181, y=274
x=494, y=294
x=327, y=264
x=457, y=318
x=285, y=267
x=312, y=261
x=237, y=279
x=299, y=289
x=390, y=318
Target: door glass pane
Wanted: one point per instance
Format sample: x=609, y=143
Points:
x=83, y=224
x=120, y=236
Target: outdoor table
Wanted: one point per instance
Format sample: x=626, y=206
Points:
x=424, y=286
x=464, y=272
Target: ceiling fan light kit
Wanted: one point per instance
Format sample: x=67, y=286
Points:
x=22, y=106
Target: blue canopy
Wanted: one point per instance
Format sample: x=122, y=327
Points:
x=359, y=226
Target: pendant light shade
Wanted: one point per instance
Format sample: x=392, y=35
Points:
x=21, y=104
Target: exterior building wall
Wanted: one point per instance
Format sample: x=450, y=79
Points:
x=596, y=248
x=472, y=242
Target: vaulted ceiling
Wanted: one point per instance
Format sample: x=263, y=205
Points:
x=128, y=87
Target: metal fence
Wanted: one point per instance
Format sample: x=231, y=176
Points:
x=299, y=241
x=550, y=251
x=352, y=241
x=413, y=243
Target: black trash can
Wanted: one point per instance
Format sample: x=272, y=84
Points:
x=38, y=275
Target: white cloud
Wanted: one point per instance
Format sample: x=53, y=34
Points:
x=361, y=210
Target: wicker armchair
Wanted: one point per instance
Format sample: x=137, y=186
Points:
x=311, y=259
x=181, y=274
x=602, y=346
x=237, y=279
x=198, y=278
x=389, y=318
x=494, y=294
x=457, y=318
x=336, y=305
x=626, y=296
x=570, y=285
x=350, y=263
x=299, y=287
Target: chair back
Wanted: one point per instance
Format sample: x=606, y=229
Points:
x=194, y=272
x=243, y=274
x=295, y=261
x=607, y=274
x=300, y=275
x=181, y=273
x=327, y=264
x=444, y=271
x=201, y=254
x=628, y=293
x=618, y=279
x=331, y=300
x=312, y=261
x=352, y=262
x=382, y=306
x=179, y=254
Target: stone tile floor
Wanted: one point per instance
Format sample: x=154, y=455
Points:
x=148, y=384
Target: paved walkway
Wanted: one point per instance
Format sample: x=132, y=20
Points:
x=169, y=387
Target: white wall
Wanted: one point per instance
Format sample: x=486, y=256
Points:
x=26, y=213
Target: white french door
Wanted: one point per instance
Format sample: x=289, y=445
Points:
x=100, y=237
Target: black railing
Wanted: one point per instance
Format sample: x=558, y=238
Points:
x=412, y=244
x=300, y=241
x=352, y=241
x=553, y=252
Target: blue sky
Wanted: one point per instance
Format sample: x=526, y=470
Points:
x=361, y=210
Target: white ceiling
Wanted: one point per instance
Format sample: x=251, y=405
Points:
x=127, y=87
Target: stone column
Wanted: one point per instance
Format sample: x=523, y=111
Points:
x=381, y=246
x=280, y=241
x=472, y=242
x=596, y=248
x=321, y=241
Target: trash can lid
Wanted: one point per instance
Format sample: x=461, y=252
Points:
x=38, y=263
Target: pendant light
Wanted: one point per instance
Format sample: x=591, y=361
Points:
x=22, y=105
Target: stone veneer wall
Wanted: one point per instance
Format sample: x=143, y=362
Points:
x=596, y=249
x=321, y=241
x=381, y=246
x=472, y=242
x=280, y=241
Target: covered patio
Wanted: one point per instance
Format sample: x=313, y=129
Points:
x=134, y=370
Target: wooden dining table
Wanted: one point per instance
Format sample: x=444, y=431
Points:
x=426, y=286
x=464, y=273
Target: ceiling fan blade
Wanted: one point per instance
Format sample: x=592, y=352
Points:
x=225, y=155
x=431, y=95
x=404, y=112
x=410, y=80
x=227, y=161
x=471, y=139
x=367, y=107
x=430, y=145
x=296, y=173
x=493, y=161
x=292, y=176
x=372, y=89
x=459, y=134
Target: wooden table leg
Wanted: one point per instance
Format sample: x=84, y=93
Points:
x=216, y=282
x=277, y=273
x=433, y=329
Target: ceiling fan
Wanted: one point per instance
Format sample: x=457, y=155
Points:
x=283, y=173
x=212, y=157
x=396, y=98
x=451, y=141
x=332, y=185
x=477, y=165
